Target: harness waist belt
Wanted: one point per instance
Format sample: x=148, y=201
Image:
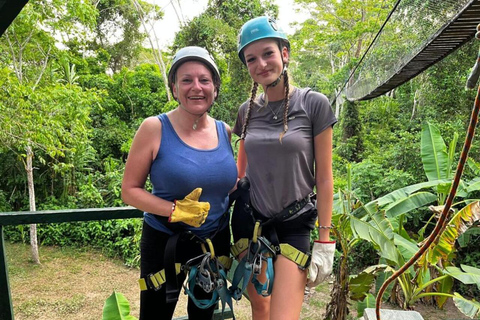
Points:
x=288, y=211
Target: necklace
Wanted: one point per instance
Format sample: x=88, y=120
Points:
x=275, y=114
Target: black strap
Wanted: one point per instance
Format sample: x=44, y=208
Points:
x=172, y=287
x=288, y=212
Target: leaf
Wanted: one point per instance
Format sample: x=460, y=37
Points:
x=405, y=192
x=380, y=235
x=457, y=225
x=409, y=203
x=470, y=308
x=368, y=302
x=433, y=153
x=406, y=248
x=117, y=308
x=444, y=286
x=469, y=275
x=360, y=284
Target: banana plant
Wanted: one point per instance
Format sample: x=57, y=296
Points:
x=345, y=202
x=381, y=223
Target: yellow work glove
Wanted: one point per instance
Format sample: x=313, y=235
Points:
x=190, y=210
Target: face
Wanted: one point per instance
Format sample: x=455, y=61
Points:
x=265, y=60
x=194, y=87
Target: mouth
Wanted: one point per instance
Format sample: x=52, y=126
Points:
x=196, y=98
x=264, y=73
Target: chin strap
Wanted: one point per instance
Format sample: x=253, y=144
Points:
x=274, y=83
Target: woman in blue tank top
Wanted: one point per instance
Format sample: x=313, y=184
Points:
x=189, y=159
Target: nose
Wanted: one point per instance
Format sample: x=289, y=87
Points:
x=262, y=62
x=196, y=84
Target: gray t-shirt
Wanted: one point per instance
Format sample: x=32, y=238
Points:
x=283, y=172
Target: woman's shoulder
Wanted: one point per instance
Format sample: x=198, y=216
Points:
x=150, y=125
x=311, y=96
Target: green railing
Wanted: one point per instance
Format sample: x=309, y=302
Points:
x=56, y=216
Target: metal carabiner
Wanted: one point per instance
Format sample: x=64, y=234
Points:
x=257, y=264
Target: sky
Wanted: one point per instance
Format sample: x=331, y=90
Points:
x=166, y=28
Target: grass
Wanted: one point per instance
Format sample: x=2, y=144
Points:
x=73, y=284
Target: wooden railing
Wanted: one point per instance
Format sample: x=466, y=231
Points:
x=55, y=216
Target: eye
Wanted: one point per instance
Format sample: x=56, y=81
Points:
x=250, y=60
x=268, y=53
x=205, y=80
x=186, y=80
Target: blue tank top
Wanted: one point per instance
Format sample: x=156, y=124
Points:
x=179, y=168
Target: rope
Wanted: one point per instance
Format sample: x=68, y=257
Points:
x=368, y=49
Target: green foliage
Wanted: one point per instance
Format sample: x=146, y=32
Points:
x=117, y=308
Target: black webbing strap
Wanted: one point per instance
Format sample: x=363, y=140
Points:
x=172, y=287
x=288, y=212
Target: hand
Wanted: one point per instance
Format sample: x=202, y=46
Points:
x=190, y=210
x=322, y=262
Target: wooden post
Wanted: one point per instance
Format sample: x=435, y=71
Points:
x=6, y=309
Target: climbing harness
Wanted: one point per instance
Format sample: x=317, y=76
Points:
x=261, y=250
x=206, y=271
x=210, y=274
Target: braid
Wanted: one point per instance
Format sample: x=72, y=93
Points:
x=287, y=101
x=249, y=110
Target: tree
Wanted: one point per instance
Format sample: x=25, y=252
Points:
x=30, y=43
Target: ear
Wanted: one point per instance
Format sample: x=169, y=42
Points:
x=285, y=55
x=174, y=91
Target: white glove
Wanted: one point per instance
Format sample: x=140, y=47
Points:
x=322, y=262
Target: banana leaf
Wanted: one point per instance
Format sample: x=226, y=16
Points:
x=457, y=225
x=406, y=248
x=379, y=234
x=409, y=203
x=465, y=274
x=444, y=286
x=434, y=153
x=399, y=194
x=470, y=308
x=117, y=308
x=368, y=302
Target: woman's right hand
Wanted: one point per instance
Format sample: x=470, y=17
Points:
x=189, y=210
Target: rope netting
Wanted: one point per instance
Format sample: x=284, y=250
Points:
x=411, y=25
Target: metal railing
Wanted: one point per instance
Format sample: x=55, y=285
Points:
x=56, y=216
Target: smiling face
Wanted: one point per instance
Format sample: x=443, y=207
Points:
x=265, y=60
x=194, y=87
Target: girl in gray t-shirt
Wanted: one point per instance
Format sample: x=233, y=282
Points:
x=285, y=151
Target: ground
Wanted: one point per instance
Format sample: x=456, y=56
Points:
x=74, y=284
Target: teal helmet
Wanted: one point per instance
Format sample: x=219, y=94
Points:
x=257, y=29
x=193, y=54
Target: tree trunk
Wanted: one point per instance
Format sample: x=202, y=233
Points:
x=337, y=308
x=157, y=53
x=31, y=199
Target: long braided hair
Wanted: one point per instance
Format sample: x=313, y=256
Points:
x=252, y=103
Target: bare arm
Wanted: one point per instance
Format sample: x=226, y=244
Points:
x=143, y=151
x=241, y=160
x=324, y=180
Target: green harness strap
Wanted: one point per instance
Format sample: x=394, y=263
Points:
x=288, y=251
x=156, y=280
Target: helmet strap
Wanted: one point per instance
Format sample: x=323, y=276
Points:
x=274, y=83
